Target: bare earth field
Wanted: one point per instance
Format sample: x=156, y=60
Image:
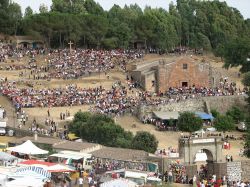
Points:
x=166, y=139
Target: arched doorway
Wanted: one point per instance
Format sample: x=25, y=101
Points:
x=202, y=158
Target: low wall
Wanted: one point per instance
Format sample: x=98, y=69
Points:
x=220, y=103
x=245, y=170
x=223, y=103
x=239, y=170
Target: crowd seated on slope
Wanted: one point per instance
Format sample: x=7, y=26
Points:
x=66, y=64
x=113, y=101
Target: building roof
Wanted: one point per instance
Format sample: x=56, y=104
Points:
x=26, y=38
x=42, y=140
x=74, y=146
x=166, y=115
x=120, y=154
x=204, y=115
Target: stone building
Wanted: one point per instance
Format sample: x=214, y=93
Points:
x=159, y=76
x=27, y=42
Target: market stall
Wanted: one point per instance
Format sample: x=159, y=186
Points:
x=28, y=148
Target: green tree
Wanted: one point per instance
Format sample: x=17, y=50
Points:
x=215, y=113
x=43, y=8
x=246, y=82
x=246, y=79
x=100, y=129
x=28, y=12
x=68, y=6
x=93, y=7
x=224, y=123
x=189, y=122
x=247, y=140
x=14, y=17
x=145, y=141
x=236, y=114
x=80, y=118
x=237, y=53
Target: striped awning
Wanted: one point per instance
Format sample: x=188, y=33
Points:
x=34, y=171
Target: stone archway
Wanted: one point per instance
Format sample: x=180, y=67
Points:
x=188, y=147
x=207, y=152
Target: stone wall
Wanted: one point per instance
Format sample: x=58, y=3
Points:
x=245, y=169
x=187, y=105
x=221, y=103
x=239, y=170
x=234, y=171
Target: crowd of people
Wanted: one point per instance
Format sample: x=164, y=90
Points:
x=68, y=64
x=7, y=51
x=114, y=101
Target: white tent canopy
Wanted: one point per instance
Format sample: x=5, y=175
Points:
x=24, y=182
x=28, y=148
x=119, y=183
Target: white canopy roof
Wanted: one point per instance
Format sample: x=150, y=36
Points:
x=7, y=157
x=119, y=183
x=71, y=155
x=166, y=115
x=24, y=182
x=28, y=148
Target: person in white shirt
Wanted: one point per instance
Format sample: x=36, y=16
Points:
x=242, y=184
x=80, y=181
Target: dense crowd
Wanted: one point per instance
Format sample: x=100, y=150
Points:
x=113, y=101
x=80, y=62
x=66, y=64
x=8, y=51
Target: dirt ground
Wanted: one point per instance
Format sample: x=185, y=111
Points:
x=166, y=139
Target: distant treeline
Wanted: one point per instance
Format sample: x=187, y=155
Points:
x=196, y=24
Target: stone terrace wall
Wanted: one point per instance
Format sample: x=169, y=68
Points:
x=222, y=104
x=245, y=168
x=187, y=105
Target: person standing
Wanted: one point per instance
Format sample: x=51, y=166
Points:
x=80, y=181
x=48, y=113
x=194, y=181
x=170, y=176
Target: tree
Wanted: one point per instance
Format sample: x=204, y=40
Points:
x=145, y=141
x=215, y=113
x=28, y=12
x=236, y=114
x=246, y=82
x=224, y=123
x=43, y=8
x=68, y=6
x=246, y=79
x=237, y=53
x=101, y=129
x=15, y=16
x=247, y=140
x=79, y=119
x=93, y=8
x=189, y=122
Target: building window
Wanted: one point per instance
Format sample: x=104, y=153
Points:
x=185, y=66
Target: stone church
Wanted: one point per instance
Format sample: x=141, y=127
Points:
x=159, y=76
